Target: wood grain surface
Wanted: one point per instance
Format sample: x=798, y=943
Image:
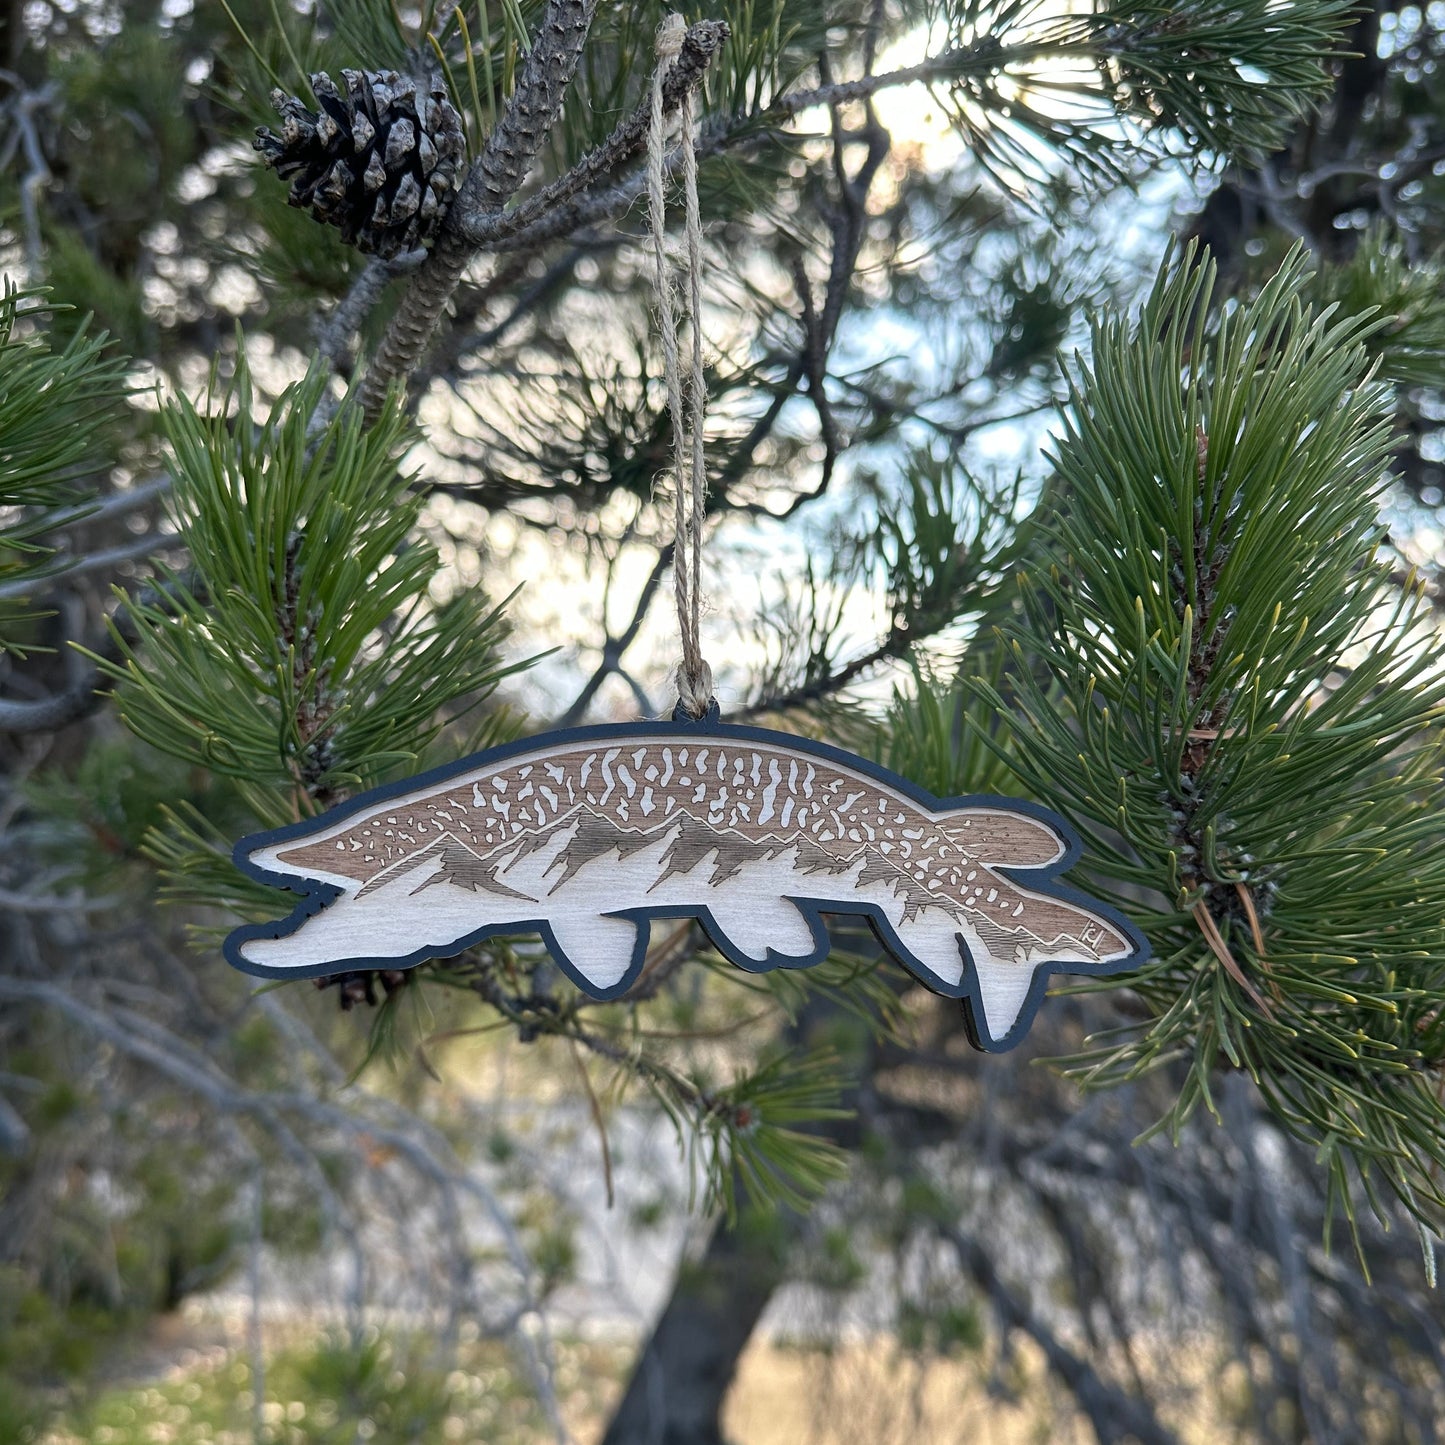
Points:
x=588, y=835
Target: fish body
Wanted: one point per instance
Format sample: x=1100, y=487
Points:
x=587, y=836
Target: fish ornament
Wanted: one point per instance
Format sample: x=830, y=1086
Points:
x=586, y=836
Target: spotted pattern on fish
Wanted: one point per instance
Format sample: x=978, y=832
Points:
x=730, y=803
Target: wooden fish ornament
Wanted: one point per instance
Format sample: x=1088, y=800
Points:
x=586, y=836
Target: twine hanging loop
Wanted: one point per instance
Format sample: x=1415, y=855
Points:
x=688, y=411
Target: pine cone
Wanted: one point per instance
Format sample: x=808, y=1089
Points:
x=355, y=988
x=380, y=162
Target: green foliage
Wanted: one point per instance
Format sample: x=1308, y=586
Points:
x=1215, y=677
x=95, y=290
x=22, y=1417
x=297, y=261
x=1408, y=297
x=111, y=1260
x=936, y=540
x=549, y=1232
x=1217, y=681
x=479, y=51
x=943, y=737
x=376, y=35
x=302, y=648
x=841, y=1269
x=128, y=139
x=1226, y=79
x=940, y=1327
x=853, y=979
x=942, y=539
x=770, y=47
x=402, y=1393
x=756, y=1138
x=387, y=1386
x=193, y=852
x=56, y=401
x=301, y=654
x=99, y=814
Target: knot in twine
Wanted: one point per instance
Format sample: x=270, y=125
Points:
x=694, y=676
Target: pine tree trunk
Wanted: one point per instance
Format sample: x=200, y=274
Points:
x=682, y=1377
x=681, y=1380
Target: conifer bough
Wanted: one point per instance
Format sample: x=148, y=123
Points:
x=1217, y=680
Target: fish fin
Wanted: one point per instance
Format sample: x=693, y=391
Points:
x=1003, y=838
x=931, y=943
x=273, y=953
x=759, y=928
x=600, y=948
x=1003, y=990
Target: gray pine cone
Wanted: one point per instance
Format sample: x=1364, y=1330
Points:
x=380, y=162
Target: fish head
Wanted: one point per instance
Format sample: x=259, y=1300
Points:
x=328, y=930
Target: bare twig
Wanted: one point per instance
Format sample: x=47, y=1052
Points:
x=826, y=686
x=983, y=57
x=567, y=218
x=1113, y=1414
x=614, y=647
x=334, y=336
x=77, y=902
x=22, y=109
x=371, y=1121
x=700, y=44
x=45, y=715
x=117, y=504
x=82, y=566
x=459, y=342
x=599, y=1123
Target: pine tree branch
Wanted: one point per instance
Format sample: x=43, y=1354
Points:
x=567, y=215
x=22, y=111
x=135, y=550
x=699, y=46
x=12, y=901
x=117, y=504
x=499, y=171
x=82, y=693
x=827, y=686
x=614, y=647
x=530, y=115
x=1113, y=1414
x=371, y=1120
x=460, y=341
x=48, y=714
x=985, y=56
x=334, y=334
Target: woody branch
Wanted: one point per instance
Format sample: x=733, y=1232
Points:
x=478, y=219
x=491, y=183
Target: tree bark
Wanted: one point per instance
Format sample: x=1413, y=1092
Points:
x=677, y=1389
